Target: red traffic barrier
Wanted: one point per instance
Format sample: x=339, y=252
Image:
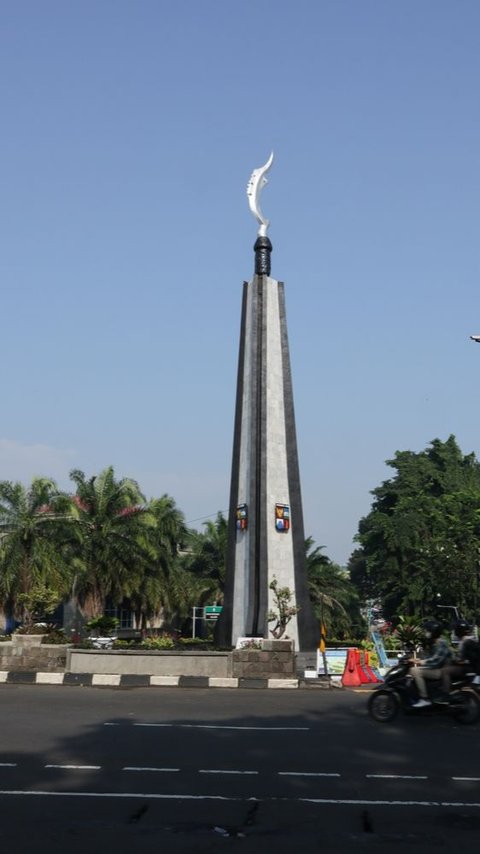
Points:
x=351, y=676
x=368, y=670
x=361, y=669
x=357, y=672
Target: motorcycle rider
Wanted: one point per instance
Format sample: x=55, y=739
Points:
x=431, y=667
x=465, y=658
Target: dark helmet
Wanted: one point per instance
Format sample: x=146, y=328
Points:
x=432, y=628
x=461, y=628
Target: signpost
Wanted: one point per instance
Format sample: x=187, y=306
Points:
x=209, y=613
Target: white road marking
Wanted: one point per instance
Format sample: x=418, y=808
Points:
x=306, y=774
x=187, y=797
x=360, y=802
x=220, y=771
x=218, y=726
x=76, y=767
x=396, y=777
x=140, y=768
x=148, y=795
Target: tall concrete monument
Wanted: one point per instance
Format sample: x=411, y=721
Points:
x=266, y=537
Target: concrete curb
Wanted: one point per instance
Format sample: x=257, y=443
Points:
x=115, y=680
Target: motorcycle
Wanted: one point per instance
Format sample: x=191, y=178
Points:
x=398, y=692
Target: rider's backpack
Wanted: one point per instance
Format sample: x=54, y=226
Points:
x=471, y=653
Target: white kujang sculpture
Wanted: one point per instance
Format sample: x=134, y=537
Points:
x=254, y=187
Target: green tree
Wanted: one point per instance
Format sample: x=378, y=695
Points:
x=419, y=545
x=186, y=591
x=334, y=597
x=32, y=542
x=111, y=523
x=166, y=535
x=207, y=557
x=198, y=577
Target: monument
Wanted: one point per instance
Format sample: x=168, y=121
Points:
x=266, y=540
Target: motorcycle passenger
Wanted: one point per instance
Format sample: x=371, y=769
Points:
x=466, y=657
x=431, y=667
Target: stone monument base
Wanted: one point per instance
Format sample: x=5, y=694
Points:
x=275, y=660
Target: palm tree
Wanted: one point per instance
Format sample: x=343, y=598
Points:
x=333, y=595
x=166, y=534
x=198, y=577
x=169, y=533
x=112, y=526
x=207, y=557
x=187, y=591
x=33, y=540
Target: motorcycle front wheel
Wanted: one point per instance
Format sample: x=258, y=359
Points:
x=465, y=706
x=383, y=706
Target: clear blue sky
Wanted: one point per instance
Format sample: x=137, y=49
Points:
x=129, y=130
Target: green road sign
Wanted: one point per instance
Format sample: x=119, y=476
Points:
x=212, y=612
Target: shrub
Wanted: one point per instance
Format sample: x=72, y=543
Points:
x=84, y=644
x=251, y=643
x=391, y=642
x=54, y=636
x=124, y=644
x=282, y=597
x=194, y=642
x=158, y=642
x=36, y=605
x=33, y=629
x=409, y=632
x=102, y=625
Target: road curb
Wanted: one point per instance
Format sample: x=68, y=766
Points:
x=116, y=680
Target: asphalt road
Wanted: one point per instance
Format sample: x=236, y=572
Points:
x=88, y=770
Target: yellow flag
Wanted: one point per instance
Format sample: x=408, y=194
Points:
x=323, y=637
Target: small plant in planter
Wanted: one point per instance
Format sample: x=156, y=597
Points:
x=163, y=641
x=40, y=601
x=251, y=643
x=284, y=612
x=193, y=643
x=125, y=644
x=32, y=629
x=54, y=635
x=84, y=644
x=102, y=626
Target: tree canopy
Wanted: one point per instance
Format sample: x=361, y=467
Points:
x=335, y=599
x=105, y=546
x=32, y=524
x=419, y=547
x=110, y=518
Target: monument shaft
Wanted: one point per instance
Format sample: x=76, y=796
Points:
x=266, y=534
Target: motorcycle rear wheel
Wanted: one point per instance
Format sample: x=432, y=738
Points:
x=383, y=706
x=465, y=706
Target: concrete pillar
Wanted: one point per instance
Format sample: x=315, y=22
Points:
x=265, y=476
